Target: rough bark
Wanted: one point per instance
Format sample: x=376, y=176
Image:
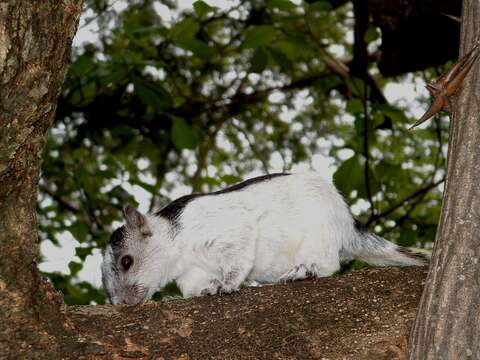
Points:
x=360, y=315
x=35, y=39
x=448, y=322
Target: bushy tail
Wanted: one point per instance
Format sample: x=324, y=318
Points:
x=375, y=250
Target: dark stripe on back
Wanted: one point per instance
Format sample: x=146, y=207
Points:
x=248, y=182
x=172, y=211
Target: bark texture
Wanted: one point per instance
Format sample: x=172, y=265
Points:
x=35, y=40
x=448, y=321
x=361, y=315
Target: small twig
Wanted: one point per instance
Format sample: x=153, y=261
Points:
x=224, y=15
x=203, y=151
x=401, y=219
x=366, y=151
x=254, y=149
x=90, y=214
x=412, y=196
x=59, y=199
x=103, y=11
x=454, y=18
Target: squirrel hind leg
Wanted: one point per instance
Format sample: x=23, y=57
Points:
x=299, y=272
x=213, y=288
x=233, y=279
x=302, y=271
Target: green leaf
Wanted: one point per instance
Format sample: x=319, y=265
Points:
x=120, y=193
x=321, y=6
x=259, y=60
x=79, y=231
x=199, y=48
x=153, y=95
x=408, y=237
x=294, y=49
x=284, y=5
x=393, y=113
x=83, y=65
x=146, y=186
x=185, y=29
x=83, y=252
x=355, y=106
x=183, y=135
x=257, y=36
x=280, y=59
x=356, y=86
x=231, y=179
x=202, y=8
x=371, y=34
x=390, y=169
x=112, y=77
x=88, y=92
x=348, y=176
x=375, y=184
x=74, y=267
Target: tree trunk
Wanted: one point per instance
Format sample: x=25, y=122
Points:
x=448, y=319
x=35, y=42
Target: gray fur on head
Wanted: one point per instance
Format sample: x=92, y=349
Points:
x=123, y=260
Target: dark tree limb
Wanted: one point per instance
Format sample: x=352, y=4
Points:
x=358, y=66
x=420, y=192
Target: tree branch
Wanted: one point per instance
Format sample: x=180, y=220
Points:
x=366, y=150
x=419, y=192
x=254, y=149
x=64, y=203
x=308, y=319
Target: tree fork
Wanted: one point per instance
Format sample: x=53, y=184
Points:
x=448, y=318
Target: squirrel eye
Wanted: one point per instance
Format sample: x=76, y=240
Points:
x=127, y=262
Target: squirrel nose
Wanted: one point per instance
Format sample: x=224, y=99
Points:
x=131, y=300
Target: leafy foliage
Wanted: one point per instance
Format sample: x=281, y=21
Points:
x=217, y=94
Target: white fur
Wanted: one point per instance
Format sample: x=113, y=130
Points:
x=284, y=228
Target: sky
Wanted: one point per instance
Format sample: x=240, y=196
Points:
x=56, y=258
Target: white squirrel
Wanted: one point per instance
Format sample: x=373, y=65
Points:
x=269, y=229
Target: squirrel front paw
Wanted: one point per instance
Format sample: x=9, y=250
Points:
x=213, y=288
x=299, y=272
x=218, y=287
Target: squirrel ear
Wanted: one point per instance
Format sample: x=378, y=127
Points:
x=135, y=219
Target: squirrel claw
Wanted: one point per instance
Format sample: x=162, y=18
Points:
x=446, y=85
x=214, y=288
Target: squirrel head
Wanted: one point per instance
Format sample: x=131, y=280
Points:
x=125, y=272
